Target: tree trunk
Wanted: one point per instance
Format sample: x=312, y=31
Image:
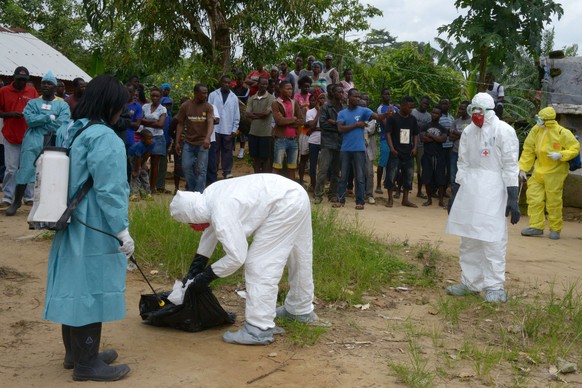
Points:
x=222, y=48
x=220, y=34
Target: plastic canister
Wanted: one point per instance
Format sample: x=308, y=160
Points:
x=50, y=188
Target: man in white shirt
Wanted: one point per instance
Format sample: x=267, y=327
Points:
x=226, y=102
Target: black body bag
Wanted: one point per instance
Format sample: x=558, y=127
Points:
x=200, y=311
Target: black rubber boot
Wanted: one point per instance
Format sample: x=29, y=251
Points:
x=17, y=202
x=88, y=365
x=107, y=356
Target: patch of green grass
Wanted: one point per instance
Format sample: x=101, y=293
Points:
x=552, y=324
x=452, y=308
x=301, y=334
x=416, y=372
x=348, y=261
x=484, y=359
x=435, y=335
x=521, y=335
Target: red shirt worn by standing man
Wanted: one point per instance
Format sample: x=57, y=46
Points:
x=13, y=100
x=253, y=79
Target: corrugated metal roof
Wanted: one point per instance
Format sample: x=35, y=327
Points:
x=24, y=49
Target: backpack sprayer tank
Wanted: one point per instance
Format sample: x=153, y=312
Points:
x=50, y=188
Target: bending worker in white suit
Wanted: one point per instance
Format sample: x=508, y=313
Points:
x=277, y=213
x=488, y=178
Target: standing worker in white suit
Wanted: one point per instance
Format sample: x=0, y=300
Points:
x=277, y=213
x=487, y=193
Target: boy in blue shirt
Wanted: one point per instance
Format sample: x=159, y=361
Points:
x=138, y=154
x=351, y=123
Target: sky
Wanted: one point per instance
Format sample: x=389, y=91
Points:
x=418, y=20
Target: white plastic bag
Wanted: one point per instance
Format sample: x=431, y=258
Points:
x=177, y=295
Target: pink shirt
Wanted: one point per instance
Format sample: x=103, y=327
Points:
x=303, y=102
x=289, y=131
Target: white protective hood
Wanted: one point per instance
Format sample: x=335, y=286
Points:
x=486, y=101
x=190, y=208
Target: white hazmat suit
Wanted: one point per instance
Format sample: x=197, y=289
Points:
x=276, y=212
x=487, y=167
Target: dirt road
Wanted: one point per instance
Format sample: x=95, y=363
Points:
x=353, y=353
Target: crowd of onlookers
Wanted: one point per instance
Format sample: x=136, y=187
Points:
x=304, y=120
x=307, y=120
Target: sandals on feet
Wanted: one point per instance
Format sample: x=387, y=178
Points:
x=359, y=207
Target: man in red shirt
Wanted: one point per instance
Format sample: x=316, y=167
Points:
x=252, y=80
x=13, y=99
x=288, y=119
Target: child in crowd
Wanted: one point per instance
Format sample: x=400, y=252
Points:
x=316, y=101
x=303, y=98
x=138, y=155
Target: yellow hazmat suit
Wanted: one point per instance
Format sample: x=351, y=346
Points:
x=544, y=187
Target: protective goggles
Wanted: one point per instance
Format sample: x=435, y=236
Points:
x=477, y=109
x=540, y=121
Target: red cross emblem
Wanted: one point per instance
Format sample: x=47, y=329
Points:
x=485, y=152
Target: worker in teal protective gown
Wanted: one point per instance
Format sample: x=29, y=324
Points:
x=87, y=268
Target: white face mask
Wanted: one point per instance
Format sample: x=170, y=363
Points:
x=540, y=122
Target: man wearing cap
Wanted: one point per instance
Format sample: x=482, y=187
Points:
x=43, y=115
x=13, y=99
x=330, y=73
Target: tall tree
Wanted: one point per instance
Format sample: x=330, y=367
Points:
x=409, y=70
x=379, y=38
x=491, y=29
x=214, y=28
